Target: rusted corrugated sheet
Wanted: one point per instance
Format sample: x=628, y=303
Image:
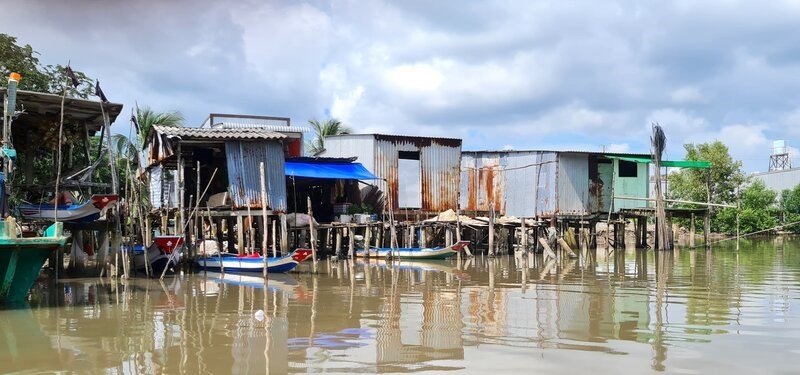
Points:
x=440, y=176
x=244, y=178
x=439, y=164
x=519, y=183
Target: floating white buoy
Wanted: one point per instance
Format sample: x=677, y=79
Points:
x=259, y=315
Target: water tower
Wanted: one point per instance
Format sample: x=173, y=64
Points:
x=779, y=160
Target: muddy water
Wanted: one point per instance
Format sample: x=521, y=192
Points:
x=636, y=312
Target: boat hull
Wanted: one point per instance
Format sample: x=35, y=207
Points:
x=413, y=253
x=158, y=261
x=235, y=263
x=83, y=213
x=21, y=260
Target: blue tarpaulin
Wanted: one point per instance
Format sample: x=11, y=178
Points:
x=339, y=171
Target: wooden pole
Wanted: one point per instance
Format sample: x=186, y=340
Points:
x=548, y=252
x=263, y=216
x=274, y=238
x=313, y=234
x=284, y=236
x=338, y=241
x=563, y=244
x=524, y=239
x=491, y=229
x=240, y=233
x=351, y=241
x=691, y=232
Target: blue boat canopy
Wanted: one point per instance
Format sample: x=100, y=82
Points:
x=336, y=170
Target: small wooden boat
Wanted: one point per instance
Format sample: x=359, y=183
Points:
x=165, y=252
x=253, y=263
x=73, y=213
x=22, y=258
x=413, y=252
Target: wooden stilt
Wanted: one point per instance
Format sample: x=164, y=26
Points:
x=491, y=230
x=548, y=252
x=284, y=235
x=240, y=234
x=313, y=235
x=339, y=241
x=351, y=241
x=691, y=231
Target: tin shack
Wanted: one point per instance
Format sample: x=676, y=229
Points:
x=418, y=174
x=537, y=183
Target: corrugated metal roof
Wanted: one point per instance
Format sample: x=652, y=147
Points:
x=271, y=127
x=219, y=134
x=418, y=141
x=628, y=154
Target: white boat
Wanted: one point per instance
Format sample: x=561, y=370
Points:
x=413, y=252
x=88, y=211
x=253, y=263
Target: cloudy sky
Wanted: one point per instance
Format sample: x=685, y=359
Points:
x=498, y=74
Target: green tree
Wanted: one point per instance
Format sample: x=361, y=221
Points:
x=790, y=208
x=758, y=211
x=148, y=117
x=35, y=76
x=719, y=182
x=323, y=130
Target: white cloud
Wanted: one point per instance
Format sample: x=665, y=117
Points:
x=525, y=75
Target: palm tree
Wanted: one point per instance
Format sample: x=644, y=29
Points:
x=322, y=130
x=147, y=118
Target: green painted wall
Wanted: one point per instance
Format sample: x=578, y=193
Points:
x=638, y=186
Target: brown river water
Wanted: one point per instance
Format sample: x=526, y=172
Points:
x=688, y=312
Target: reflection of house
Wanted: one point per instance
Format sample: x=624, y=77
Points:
x=545, y=183
x=420, y=173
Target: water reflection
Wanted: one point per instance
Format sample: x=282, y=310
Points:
x=673, y=311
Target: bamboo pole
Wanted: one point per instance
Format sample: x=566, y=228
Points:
x=491, y=229
x=313, y=234
x=274, y=238
x=284, y=235
x=263, y=217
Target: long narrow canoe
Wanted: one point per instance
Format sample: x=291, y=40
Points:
x=76, y=213
x=253, y=263
x=413, y=252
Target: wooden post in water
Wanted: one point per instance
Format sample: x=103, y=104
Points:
x=338, y=241
x=284, y=236
x=264, y=218
x=351, y=241
x=367, y=238
x=524, y=239
x=274, y=238
x=240, y=234
x=691, y=232
x=491, y=229
x=548, y=252
x=313, y=234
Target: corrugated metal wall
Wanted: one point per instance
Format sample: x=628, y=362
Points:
x=439, y=163
x=572, y=189
x=780, y=180
x=162, y=190
x=244, y=179
x=520, y=183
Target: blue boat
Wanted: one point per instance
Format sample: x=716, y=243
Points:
x=253, y=263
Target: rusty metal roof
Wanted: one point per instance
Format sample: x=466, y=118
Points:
x=218, y=134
